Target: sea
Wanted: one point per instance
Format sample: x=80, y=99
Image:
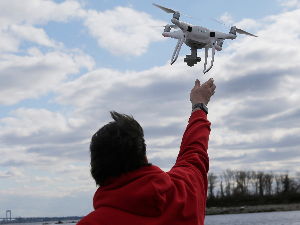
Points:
x=268, y=218
x=66, y=222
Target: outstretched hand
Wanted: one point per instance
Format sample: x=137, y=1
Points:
x=202, y=93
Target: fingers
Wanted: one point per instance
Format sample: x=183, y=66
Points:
x=212, y=89
x=210, y=82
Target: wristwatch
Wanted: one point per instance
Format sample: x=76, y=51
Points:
x=201, y=106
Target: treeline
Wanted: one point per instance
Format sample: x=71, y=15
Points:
x=239, y=188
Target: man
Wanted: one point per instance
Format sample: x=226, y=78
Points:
x=133, y=191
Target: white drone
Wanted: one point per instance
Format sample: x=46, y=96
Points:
x=197, y=37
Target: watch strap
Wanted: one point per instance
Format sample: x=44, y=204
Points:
x=201, y=106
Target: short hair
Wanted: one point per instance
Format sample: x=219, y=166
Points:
x=118, y=147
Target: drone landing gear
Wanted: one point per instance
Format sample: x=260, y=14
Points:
x=192, y=59
x=177, y=49
x=212, y=45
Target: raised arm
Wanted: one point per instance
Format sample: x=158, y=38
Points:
x=190, y=170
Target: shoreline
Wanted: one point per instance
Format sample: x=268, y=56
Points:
x=252, y=209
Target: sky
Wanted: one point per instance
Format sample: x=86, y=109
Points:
x=64, y=64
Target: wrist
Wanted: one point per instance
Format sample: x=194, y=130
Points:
x=200, y=101
x=196, y=109
x=201, y=106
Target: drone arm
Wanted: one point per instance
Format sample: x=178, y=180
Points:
x=177, y=50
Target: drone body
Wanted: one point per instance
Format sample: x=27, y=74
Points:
x=196, y=37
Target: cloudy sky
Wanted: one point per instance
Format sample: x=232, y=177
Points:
x=64, y=64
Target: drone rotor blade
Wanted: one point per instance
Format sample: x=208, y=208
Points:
x=172, y=11
x=231, y=44
x=172, y=26
x=240, y=31
x=220, y=22
x=165, y=9
x=190, y=17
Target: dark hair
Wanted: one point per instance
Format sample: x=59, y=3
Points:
x=118, y=147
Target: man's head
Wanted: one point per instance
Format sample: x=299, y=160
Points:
x=118, y=147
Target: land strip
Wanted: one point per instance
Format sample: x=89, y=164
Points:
x=252, y=209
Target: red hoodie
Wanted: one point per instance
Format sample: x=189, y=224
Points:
x=151, y=196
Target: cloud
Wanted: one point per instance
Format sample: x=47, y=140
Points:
x=32, y=120
x=33, y=34
x=289, y=3
x=44, y=206
x=250, y=83
x=8, y=43
x=32, y=12
x=13, y=172
x=35, y=74
x=23, y=77
x=17, y=20
x=255, y=105
x=227, y=18
x=123, y=31
x=41, y=191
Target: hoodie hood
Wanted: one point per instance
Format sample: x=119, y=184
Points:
x=140, y=192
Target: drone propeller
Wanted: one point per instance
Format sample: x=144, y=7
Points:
x=172, y=26
x=231, y=44
x=240, y=31
x=172, y=11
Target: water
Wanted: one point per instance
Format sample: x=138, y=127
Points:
x=66, y=222
x=268, y=218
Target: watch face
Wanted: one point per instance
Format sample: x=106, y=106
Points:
x=203, y=107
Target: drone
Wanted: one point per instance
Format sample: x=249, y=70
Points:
x=197, y=37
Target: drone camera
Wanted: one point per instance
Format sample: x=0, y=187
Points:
x=192, y=59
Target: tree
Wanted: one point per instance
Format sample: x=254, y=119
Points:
x=221, y=186
x=298, y=183
x=254, y=182
x=261, y=182
x=228, y=175
x=212, y=180
x=278, y=184
x=286, y=183
x=240, y=177
x=268, y=183
x=249, y=177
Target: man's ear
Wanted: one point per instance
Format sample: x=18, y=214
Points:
x=146, y=159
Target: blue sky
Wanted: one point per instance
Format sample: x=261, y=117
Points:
x=65, y=64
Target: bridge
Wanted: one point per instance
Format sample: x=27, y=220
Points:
x=9, y=219
x=6, y=219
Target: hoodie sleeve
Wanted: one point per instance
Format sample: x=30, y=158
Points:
x=192, y=163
